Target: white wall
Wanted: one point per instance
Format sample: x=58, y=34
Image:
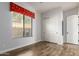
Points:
x=38, y=25
x=52, y=26
x=6, y=41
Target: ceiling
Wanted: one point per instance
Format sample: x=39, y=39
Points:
x=44, y=6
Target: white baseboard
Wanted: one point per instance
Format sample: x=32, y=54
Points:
x=10, y=49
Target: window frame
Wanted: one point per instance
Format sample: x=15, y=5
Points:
x=24, y=26
x=23, y=35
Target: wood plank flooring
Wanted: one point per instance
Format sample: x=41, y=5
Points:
x=46, y=49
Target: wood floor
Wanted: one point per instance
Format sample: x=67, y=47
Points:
x=46, y=49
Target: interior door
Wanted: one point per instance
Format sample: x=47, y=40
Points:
x=72, y=29
x=52, y=30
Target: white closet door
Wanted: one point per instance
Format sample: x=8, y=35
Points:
x=72, y=29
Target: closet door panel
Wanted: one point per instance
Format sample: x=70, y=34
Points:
x=72, y=29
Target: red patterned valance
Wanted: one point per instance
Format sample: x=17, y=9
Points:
x=16, y=8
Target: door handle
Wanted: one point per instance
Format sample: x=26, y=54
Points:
x=67, y=32
x=56, y=32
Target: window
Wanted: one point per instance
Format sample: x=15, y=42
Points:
x=27, y=26
x=21, y=26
